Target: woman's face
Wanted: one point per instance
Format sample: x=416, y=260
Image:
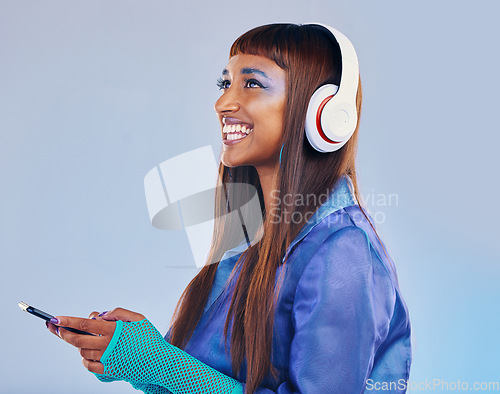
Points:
x=251, y=112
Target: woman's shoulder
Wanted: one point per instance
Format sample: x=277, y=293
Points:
x=347, y=234
x=338, y=266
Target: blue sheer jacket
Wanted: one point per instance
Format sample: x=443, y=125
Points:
x=341, y=324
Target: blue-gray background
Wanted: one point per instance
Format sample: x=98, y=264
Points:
x=93, y=94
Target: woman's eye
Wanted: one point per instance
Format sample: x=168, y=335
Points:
x=223, y=83
x=253, y=83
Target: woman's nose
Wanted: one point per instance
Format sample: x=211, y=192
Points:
x=227, y=103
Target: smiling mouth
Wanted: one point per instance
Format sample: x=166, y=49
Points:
x=235, y=132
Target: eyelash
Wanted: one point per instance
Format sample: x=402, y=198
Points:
x=221, y=83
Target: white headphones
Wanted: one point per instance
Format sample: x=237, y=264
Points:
x=331, y=115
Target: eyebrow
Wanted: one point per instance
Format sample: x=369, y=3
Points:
x=248, y=70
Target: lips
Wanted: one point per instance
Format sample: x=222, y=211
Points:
x=235, y=130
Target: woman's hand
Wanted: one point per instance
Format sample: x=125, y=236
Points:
x=91, y=348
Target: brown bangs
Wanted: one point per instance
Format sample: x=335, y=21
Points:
x=270, y=41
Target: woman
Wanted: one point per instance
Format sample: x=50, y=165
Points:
x=309, y=304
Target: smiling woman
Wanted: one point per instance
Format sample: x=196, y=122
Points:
x=254, y=98
x=312, y=304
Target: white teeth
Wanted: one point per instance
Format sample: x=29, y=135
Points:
x=232, y=137
x=234, y=131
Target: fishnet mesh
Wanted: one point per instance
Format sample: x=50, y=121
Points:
x=145, y=359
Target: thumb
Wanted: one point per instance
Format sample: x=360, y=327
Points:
x=123, y=315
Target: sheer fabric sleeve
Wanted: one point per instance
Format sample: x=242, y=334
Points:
x=138, y=354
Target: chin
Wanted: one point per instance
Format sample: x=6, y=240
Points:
x=230, y=162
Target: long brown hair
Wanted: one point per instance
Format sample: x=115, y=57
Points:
x=310, y=58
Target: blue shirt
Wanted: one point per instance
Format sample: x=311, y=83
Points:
x=341, y=324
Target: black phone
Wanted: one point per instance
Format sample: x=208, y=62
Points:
x=45, y=316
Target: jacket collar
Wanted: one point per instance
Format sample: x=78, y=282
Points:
x=340, y=197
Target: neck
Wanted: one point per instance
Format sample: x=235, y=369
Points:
x=267, y=179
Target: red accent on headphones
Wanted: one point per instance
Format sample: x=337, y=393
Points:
x=318, y=121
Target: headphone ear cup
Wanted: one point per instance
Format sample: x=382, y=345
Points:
x=314, y=119
x=330, y=120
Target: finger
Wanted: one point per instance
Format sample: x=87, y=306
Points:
x=96, y=316
x=88, y=325
x=123, y=315
x=91, y=354
x=86, y=341
x=93, y=366
x=93, y=315
x=53, y=329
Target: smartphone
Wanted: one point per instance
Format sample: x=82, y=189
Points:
x=45, y=316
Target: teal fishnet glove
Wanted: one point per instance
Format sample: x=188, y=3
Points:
x=138, y=354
